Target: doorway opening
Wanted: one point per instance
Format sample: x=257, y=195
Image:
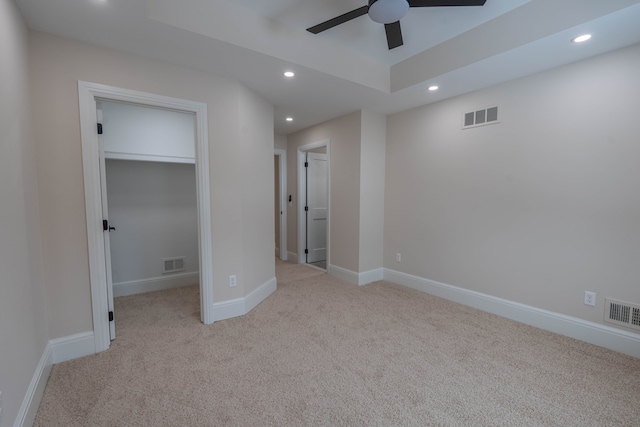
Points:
x=314, y=201
x=149, y=200
x=88, y=96
x=280, y=203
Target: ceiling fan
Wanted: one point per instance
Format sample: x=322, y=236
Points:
x=389, y=13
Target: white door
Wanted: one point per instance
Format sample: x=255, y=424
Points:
x=317, y=204
x=109, y=228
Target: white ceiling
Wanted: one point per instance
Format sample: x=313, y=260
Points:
x=346, y=68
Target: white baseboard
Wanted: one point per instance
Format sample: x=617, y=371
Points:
x=292, y=257
x=360, y=279
x=72, y=347
x=153, y=284
x=260, y=294
x=370, y=276
x=343, y=274
x=593, y=333
x=33, y=397
x=56, y=351
x=241, y=306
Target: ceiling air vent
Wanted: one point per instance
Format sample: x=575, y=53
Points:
x=481, y=117
x=171, y=265
x=622, y=313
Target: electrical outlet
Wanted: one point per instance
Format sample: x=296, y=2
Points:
x=590, y=298
x=398, y=257
x=232, y=281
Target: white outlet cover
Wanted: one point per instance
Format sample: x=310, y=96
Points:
x=590, y=298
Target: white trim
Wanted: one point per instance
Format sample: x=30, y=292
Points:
x=241, y=306
x=301, y=195
x=359, y=279
x=370, y=276
x=32, y=398
x=293, y=257
x=56, y=351
x=87, y=94
x=112, y=155
x=72, y=347
x=260, y=294
x=593, y=333
x=153, y=284
x=343, y=274
x=282, y=168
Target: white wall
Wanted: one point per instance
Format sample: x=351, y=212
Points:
x=280, y=142
x=23, y=330
x=344, y=133
x=357, y=189
x=536, y=209
x=276, y=200
x=145, y=133
x=154, y=209
x=241, y=142
x=256, y=143
x=372, y=173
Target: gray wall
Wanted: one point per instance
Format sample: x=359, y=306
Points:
x=536, y=209
x=23, y=330
x=154, y=209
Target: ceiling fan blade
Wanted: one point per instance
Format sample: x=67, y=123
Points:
x=338, y=20
x=444, y=3
x=394, y=34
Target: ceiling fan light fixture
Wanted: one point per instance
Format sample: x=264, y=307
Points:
x=387, y=11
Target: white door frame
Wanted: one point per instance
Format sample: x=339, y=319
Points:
x=282, y=169
x=87, y=94
x=302, y=184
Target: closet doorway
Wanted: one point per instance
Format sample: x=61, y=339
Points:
x=90, y=96
x=149, y=199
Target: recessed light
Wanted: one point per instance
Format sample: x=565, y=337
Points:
x=289, y=74
x=580, y=39
x=432, y=88
x=289, y=119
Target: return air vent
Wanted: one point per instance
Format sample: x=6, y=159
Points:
x=481, y=117
x=172, y=265
x=622, y=313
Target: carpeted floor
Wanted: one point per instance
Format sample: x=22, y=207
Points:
x=323, y=352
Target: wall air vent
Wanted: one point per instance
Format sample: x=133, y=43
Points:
x=172, y=265
x=622, y=313
x=480, y=117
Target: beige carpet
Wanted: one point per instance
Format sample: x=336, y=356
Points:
x=323, y=352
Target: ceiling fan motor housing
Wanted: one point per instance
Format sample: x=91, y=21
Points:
x=387, y=11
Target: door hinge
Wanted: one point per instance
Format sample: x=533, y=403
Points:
x=111, y=316
x=99, y=128
x=105, y=225
x=306, y=208
x=306, y=164
x=306, y=251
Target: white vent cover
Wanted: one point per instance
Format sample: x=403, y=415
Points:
x=481, y=117
x=622, y=313
x=171, y=265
